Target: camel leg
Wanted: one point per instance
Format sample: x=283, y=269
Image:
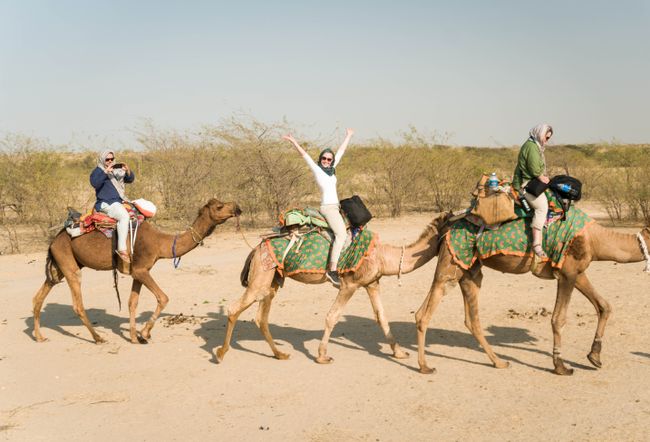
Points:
x=37, y=302
x=423, y=317
x=333, y=315
x=145, y=278
x=602, y=308
x=378, y=308
x=234, y=310
x=564, y=288
x=136, y=286
x=74, y=282
x=262, y=321
x=470, y=287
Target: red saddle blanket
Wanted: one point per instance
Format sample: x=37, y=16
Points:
x=104, y=223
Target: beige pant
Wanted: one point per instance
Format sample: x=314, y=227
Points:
x=117, y=211
x=540, y=204
x=335, y=220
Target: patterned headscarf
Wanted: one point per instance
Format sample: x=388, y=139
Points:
x=538, y=134
x=116, y=176
x=331, y=170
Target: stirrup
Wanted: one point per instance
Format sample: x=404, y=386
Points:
x=537, y=249
x=124, y=256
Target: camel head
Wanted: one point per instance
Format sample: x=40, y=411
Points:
x=219, y=212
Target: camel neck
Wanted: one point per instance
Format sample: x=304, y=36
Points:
x=408, y=258
x=609, y=245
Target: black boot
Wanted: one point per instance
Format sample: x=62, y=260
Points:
x=333, y=277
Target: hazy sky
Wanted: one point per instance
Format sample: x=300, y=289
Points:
x=485, y=71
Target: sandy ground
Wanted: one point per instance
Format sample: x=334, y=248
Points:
x=71, y=389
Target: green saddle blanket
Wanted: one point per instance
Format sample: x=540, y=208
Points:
x=309, y=253
x=514, y=238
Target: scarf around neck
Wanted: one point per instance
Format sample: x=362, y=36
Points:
x=116, y=176
x=331, y=170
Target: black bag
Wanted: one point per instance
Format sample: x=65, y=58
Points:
x=566, y=187
x=536, y=187
x=356, y=211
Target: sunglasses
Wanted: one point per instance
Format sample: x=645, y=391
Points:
x=109, y=159
x=327, y=159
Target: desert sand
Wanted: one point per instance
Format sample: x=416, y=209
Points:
x=69, y=388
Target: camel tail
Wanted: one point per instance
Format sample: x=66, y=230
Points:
x=247, y=267
x=53, y=274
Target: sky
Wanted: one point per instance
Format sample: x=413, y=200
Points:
x=484, y=72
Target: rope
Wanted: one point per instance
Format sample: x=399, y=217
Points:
x=644, y=249
x=242, y=234
x=399, y=269
x=175, y=260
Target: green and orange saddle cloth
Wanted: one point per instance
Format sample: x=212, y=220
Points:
x=469, y=242
x=308, y=252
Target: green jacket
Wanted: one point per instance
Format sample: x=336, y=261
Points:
x=530, y=164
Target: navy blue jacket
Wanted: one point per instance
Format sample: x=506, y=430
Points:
x=105, y=191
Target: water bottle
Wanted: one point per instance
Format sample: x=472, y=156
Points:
x=493, y=181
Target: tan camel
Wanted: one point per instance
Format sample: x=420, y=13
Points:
x=595, y=244
x=66, y=257
x=384, y=260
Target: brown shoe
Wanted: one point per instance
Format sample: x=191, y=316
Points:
x=124, y=255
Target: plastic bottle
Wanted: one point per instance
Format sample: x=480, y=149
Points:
x=493, y=181
x=566, y=188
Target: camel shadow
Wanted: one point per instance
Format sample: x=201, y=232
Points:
x=362, y=333
x=55, y=316
x=640, y=353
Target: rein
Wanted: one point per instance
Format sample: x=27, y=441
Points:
x=399, y=269
x=176, y=260
x=241, y=232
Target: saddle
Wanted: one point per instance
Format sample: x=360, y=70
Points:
x=77, y=224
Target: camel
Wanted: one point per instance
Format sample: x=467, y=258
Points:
x=67, y=256
x=596, y=243
x=384, y=260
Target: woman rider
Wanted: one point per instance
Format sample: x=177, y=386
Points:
x=108, y=179
x=531, y=164
x=325, y=174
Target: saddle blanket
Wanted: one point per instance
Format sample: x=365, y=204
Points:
x=467, y=242
x=309, y=253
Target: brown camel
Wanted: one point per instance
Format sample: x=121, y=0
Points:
x=595, y=244
x=384, y=260
x=67, y=256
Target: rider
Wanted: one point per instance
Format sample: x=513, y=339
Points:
x=325, y=174
x=108, y=179
x=531, y=164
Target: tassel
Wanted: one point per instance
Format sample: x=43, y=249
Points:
x=644, y=249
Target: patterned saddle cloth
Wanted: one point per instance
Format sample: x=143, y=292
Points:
x=309, y=252
x=77, y=224
x=468, y=241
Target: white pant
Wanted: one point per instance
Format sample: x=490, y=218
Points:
x=540, y=204
x=117, y=211
x=335, y=220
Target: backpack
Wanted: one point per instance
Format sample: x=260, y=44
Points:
x=566, y=187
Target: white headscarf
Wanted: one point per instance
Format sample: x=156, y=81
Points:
x=116, y=176
x=538, y=134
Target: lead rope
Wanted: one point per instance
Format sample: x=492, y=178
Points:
x=399, y=269
x=176, y=260
x=241, y=232
x=644, y=249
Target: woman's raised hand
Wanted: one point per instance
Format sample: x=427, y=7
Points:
x=349, y=132
x=289, y=137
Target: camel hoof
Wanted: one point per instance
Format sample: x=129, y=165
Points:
x=141, y=340
x=282, y=356
x=594, y=358
x=99, y=340
x=41, y=339
x=220, y=354
x=563, y=371
x=501, y=364
x=401, y=354
x=427, y=370
x=324, y=359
